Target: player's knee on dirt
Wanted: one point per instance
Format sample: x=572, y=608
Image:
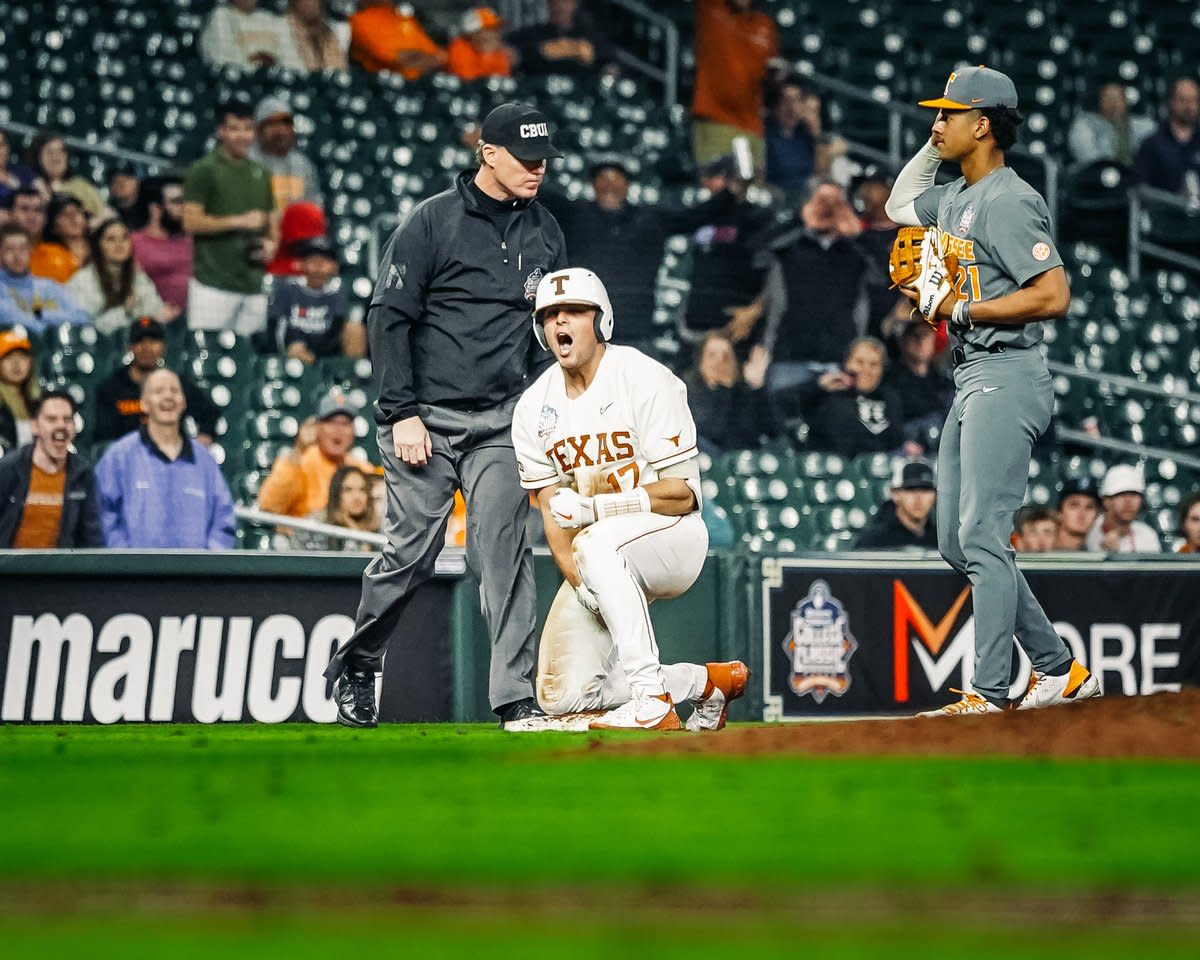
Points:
x=571, y=656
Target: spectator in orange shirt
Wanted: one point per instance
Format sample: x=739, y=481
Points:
x=383, y=38
x=478, y=51
x=298, y=484
x=734, y=48
x=64, y=247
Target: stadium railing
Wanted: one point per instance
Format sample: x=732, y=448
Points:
x=1184, y=213
x=146, y=162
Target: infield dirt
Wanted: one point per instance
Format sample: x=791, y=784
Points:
x=1163, y=726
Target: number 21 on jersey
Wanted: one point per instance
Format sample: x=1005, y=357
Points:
x=960, y=281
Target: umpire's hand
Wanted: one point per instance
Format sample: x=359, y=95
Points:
x=412, y=442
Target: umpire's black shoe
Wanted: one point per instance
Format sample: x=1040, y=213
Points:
x=519, y=710
x=354, y=693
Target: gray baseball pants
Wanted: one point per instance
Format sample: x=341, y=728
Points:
x=1002, y=404
x=472, y=450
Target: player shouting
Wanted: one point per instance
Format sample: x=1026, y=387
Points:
x=1005, y=277
x=606, y=439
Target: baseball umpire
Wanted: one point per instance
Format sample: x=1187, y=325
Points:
x=989, y=267
x=451, y=346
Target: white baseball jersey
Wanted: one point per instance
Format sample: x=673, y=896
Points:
x=630, y=423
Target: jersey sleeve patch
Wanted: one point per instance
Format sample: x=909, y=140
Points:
x=529, y=429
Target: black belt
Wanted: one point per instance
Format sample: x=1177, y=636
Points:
x=960, y=353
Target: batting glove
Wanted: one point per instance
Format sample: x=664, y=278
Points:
x=936, y=282
x=570, y=510
x=588, y=599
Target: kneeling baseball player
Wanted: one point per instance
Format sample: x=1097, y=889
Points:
x=606, y=439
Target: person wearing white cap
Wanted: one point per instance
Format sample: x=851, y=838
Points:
x=1118, y=530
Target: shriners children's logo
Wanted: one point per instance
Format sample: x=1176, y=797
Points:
x=819, y=645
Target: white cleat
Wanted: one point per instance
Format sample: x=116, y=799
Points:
x=971, y=703
x=1044, y=691
x=640, y=713
x=565, y=723
x=726, y=682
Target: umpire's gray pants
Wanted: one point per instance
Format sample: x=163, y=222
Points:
x=474, y=451
x=1002, y=404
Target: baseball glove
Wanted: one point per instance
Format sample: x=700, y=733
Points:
x=904, y=264
x=917, y=263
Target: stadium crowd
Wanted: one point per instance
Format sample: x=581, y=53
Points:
x=797, y=338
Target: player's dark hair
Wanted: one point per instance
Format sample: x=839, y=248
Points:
x=236, y=106
x=1189, y=501
x=1004, y=122
x=11, y=202
x=40, y=402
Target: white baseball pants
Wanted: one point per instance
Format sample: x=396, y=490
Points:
x=627, y=562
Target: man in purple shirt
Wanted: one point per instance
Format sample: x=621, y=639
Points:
x=157, y=488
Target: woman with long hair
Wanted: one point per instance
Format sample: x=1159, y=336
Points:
x=350, y=505
x=113, y=288
x=19, y=388
x=64, y=247
x=315, y=40
x=50, y=161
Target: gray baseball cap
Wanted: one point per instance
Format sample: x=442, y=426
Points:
x=335, y=404
x=975, y=88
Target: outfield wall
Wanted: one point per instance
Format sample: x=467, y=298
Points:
x=112, y=636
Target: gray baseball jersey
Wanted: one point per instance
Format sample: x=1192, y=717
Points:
x=999, y=228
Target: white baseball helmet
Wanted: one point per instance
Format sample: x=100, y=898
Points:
x=573, y=285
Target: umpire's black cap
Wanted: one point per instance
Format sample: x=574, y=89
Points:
x=523, y=130
x=1084, y=484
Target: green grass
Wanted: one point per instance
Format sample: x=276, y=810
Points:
x=532, y=937
x=448, y=808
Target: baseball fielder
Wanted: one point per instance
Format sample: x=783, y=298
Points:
x=606, y=439
x=989, y=267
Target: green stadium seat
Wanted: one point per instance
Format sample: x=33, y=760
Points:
x=274, y=425
x=288, y=371
x=218, y=342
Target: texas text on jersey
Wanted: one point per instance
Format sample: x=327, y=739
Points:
x=627, y=426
